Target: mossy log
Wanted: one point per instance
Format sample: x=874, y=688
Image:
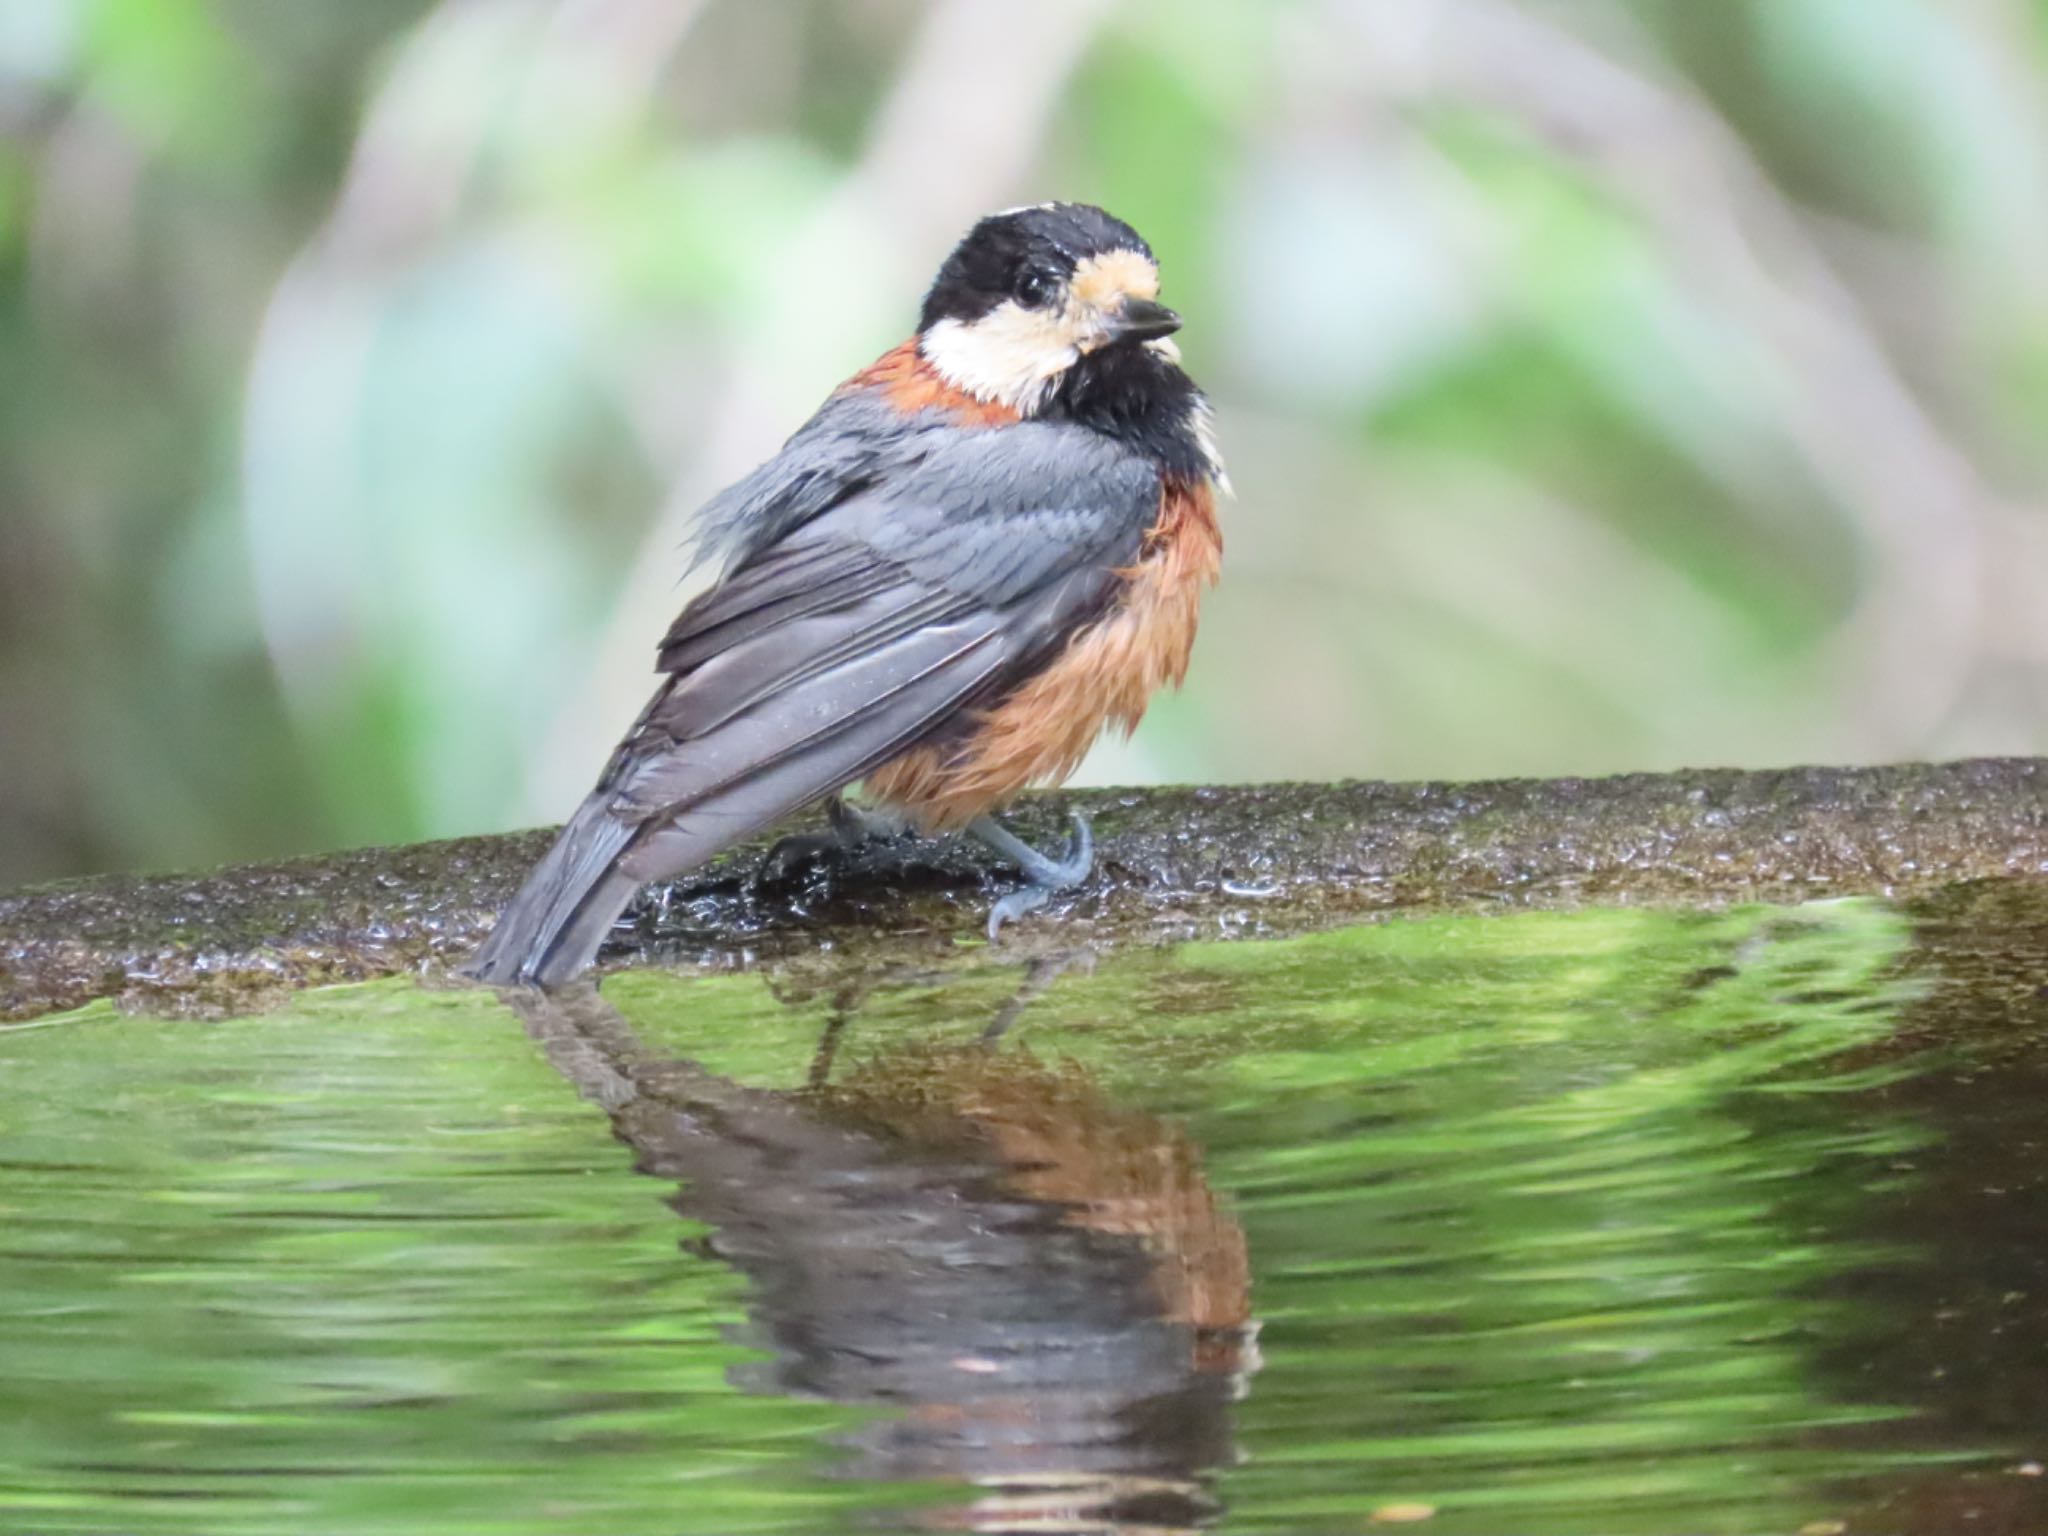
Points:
x=1174, y=863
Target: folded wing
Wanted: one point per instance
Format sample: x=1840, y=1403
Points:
x=876, y=624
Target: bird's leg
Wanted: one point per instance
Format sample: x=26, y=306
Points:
x=1043, y=972
x=1044, y=877
x=850, y=828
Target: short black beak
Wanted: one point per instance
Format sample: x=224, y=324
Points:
x=1143, y=320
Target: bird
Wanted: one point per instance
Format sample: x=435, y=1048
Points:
x=984, y=549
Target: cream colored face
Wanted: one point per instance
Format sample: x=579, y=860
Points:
x=1014, y=354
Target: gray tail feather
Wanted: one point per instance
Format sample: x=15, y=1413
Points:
x=553, y=928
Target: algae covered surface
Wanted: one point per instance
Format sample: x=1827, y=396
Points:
x=1555, y=1224
x=1253, y=859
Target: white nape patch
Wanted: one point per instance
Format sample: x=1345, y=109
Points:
x=1014, y=355
x=1202, y=422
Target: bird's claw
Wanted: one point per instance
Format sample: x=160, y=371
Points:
x=851, y=829
x=1025, y=899
x=1044, y=877
x=795, y=852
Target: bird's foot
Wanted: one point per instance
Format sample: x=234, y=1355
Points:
x=1044, y=877
x=850, y=828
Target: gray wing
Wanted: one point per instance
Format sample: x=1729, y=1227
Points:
x=881, y=619
x=873, y=623
x=855, y=441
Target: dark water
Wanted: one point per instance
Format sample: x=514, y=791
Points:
x=1582, y=1225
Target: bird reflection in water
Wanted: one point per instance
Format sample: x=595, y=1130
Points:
x=1037, y=1281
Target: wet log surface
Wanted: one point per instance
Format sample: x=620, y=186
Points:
x=1173, y=863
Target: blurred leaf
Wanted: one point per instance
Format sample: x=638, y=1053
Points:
x=172, y=73
x=1528, y=481
x=39, y=39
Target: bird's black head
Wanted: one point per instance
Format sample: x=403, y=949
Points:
x=1026, y=256
x=1031, y=292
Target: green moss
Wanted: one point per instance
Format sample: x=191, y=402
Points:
x=1254, y=860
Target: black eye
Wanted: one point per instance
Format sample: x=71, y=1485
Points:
x=1035, y=286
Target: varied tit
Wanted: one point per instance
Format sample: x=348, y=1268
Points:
x=982, y=550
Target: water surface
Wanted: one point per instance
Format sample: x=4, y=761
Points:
x=1593, y=1224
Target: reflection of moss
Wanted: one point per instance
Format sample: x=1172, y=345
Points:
x=1523, y=1251
x=1519, y=1239
x=365, y=1265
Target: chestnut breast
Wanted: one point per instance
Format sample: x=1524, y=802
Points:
x=1105, y=676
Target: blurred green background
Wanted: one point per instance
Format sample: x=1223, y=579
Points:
x=1608, y=384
